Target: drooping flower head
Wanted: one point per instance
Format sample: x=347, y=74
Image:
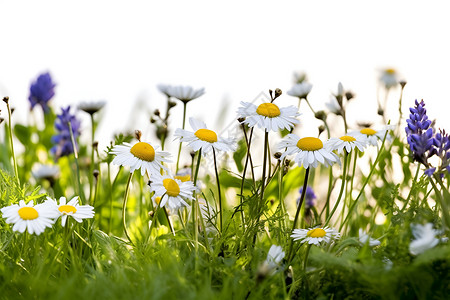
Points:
x=347, y=142
x=182, y=93
x=203, y=138
x=172, y=191
x=34, y=218
x=419, y=133
x=309, y=197
x=63, y=143
x=300, y=90
x=141, y=155
x=309, y=151
x=71, y=209
x=315, y=235
x=41, y=91
x=268, y=116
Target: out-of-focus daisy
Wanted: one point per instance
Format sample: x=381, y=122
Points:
x=424, y=238
x=164, y=88
x=34, y=218
x=275, y=256
x=268, y=116
x=183, y=93
x=309, y=151
x=203, y=138
x=142, y=156
x=315, y=235
x=72, y=208
x=389, y=78
x=300, y=90
x=347, y=142
x=373, y=136
x=172, y=191
x=333, y=105
x=91, y=107
x=364, y=238
x=49, y=172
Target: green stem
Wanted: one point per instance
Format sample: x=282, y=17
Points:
x=110, y=199
x=218, y=190
x=91, y=169
x=413, y=185
x=194, y=201
x=344, y=175
x=168, y=220
x=184, y=123
x=125, y=198
x=442, y=200
x=75, y=153
x=16, y=172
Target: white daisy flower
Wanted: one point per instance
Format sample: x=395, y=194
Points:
x=72, y=208
x=333, y=105
x=349, y=142
x=184, y=93
x=91, y=107
x=275, y=256
x=164, y=88
x=364, y=238
x=172, y=191
x=315, y=235
x=372, y=136
x=300, y=90
x=203, y=138
x=424, y=238
x=34, y=218
x=49, y=172
x=389, y=78
x=142, y=156
x=268, y=116
x=309, y=151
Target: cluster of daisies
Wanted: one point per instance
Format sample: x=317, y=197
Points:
x=36, y=217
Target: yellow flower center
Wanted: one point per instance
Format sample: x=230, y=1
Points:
x=316, y=232
x=390, y=71
x=183, y=178
x=368, y=131
x=269, y=110
x=206, y=135
x=143, y=151
x=310, y=144
x=347, y=138
x=28, y=213
x=66, y=209
x=157, y=200
x=172, y=188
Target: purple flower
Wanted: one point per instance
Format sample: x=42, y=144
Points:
x=63, y=143
x=441, y=148
x=419, y=134
x=429, y=172
x=309, y=197
x=41, y=91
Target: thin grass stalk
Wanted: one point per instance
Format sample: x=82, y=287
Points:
x=75, y=153
x=184, y=123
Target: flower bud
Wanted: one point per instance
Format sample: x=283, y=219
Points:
x=6, y=99
x=138, y=134
x=321, y=115
x=277, y=155
x=278, y=93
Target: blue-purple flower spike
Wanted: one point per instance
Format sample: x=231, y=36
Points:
x=63, y=143
x=419, y=134
x=41, y=91
x=309, y=197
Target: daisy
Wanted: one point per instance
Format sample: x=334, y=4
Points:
x=203, y=138
x=268, y=116
x=364, y=238
x=300, y=90
x=333, y=105
x=274, y=256
x=71, y=208
x=48, y=172
x=34, y=218
x=172, y=191
x=91, y=107
x=349, y=142
x=164, y=88
x=424, y=238
x=183, y=93
x=389, y=78
x=142, y=156
x=310, y=151
x=315, y=235
x=372, y=136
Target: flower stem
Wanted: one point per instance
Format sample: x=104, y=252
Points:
x=194, y=201
x=16, y=172
x=168, y=220
x=344, y=175
x=413, y=185
x=184, y=123
x=75, y=153
x=218, y=191
x=91, y=169
x=125, y=198
x=260, y=205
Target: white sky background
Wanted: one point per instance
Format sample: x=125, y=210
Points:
x=120, y=51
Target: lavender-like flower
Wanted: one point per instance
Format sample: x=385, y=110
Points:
x=41, y=91
x=63, y=143
x=441, y=143
x=309, y=197
x=419, y=134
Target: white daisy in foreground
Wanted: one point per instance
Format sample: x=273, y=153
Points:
x=300, y=90
x=268, y=116
x=91, y=107
x=373, y=136
x=424, y=238
x=203, y=138
x=142, y=156
x=184, y=93
x=34, y=218
x=72, y=208
x=349, y=142
x=333, y=105
x=172, y=191
x=364, y=238
x=315, y=235
x=309, y=151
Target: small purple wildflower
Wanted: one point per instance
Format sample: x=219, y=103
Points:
x=309, y=197
x=419, y=134
x=41, y=91
x=429, y=172
x=441, y=143
x=63, y=143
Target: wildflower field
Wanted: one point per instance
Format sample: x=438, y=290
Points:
x=357, y=211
